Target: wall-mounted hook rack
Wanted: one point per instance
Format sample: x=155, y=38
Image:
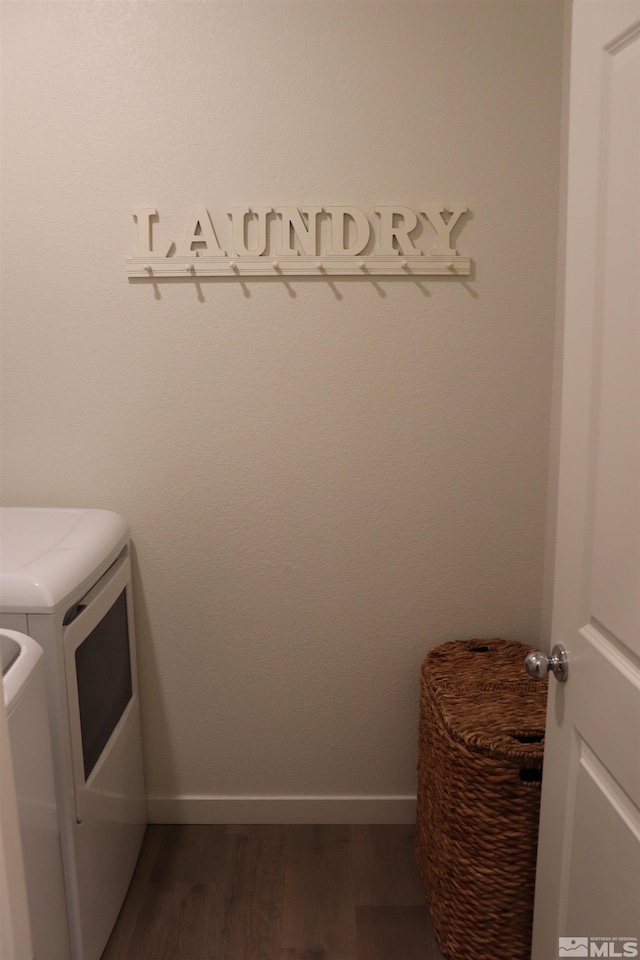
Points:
x=160, y=267
x=336, y=250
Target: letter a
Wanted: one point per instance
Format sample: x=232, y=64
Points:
x=200, y=230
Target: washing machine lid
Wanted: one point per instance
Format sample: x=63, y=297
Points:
x=48, y=555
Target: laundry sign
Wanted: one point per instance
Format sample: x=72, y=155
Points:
x=308, y=240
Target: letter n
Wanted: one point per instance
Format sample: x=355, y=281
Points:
x=306, y=232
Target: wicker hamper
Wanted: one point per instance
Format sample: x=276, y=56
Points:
x=479, y=777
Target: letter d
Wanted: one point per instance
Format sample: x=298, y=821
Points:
x=339, y=230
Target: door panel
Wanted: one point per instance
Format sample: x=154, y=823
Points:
x=601, y=856
x=588, y=878
x=615, y=594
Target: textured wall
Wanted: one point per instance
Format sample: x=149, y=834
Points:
x=322, y=480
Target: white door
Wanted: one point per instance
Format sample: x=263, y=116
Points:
x=588, y=880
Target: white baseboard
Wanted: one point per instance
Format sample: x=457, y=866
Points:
x=345, y=809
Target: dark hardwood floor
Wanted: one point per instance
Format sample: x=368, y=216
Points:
x=273, y=892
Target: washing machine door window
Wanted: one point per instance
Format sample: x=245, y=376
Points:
x=100, y=674
x=103, y=675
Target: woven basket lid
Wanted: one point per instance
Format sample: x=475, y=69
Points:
x=486, y=700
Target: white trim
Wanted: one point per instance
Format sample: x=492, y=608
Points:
x=150, y=267
x=344, y=809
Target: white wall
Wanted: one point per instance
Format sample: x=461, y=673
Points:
x=322, y=480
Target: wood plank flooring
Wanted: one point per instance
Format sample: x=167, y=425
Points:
x=275, y=892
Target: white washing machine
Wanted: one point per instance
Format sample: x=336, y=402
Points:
x=30, y=742
x=65, y=580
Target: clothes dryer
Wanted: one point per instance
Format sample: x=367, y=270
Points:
x=65, y=580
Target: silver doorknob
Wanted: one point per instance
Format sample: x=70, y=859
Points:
x=538, y=664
